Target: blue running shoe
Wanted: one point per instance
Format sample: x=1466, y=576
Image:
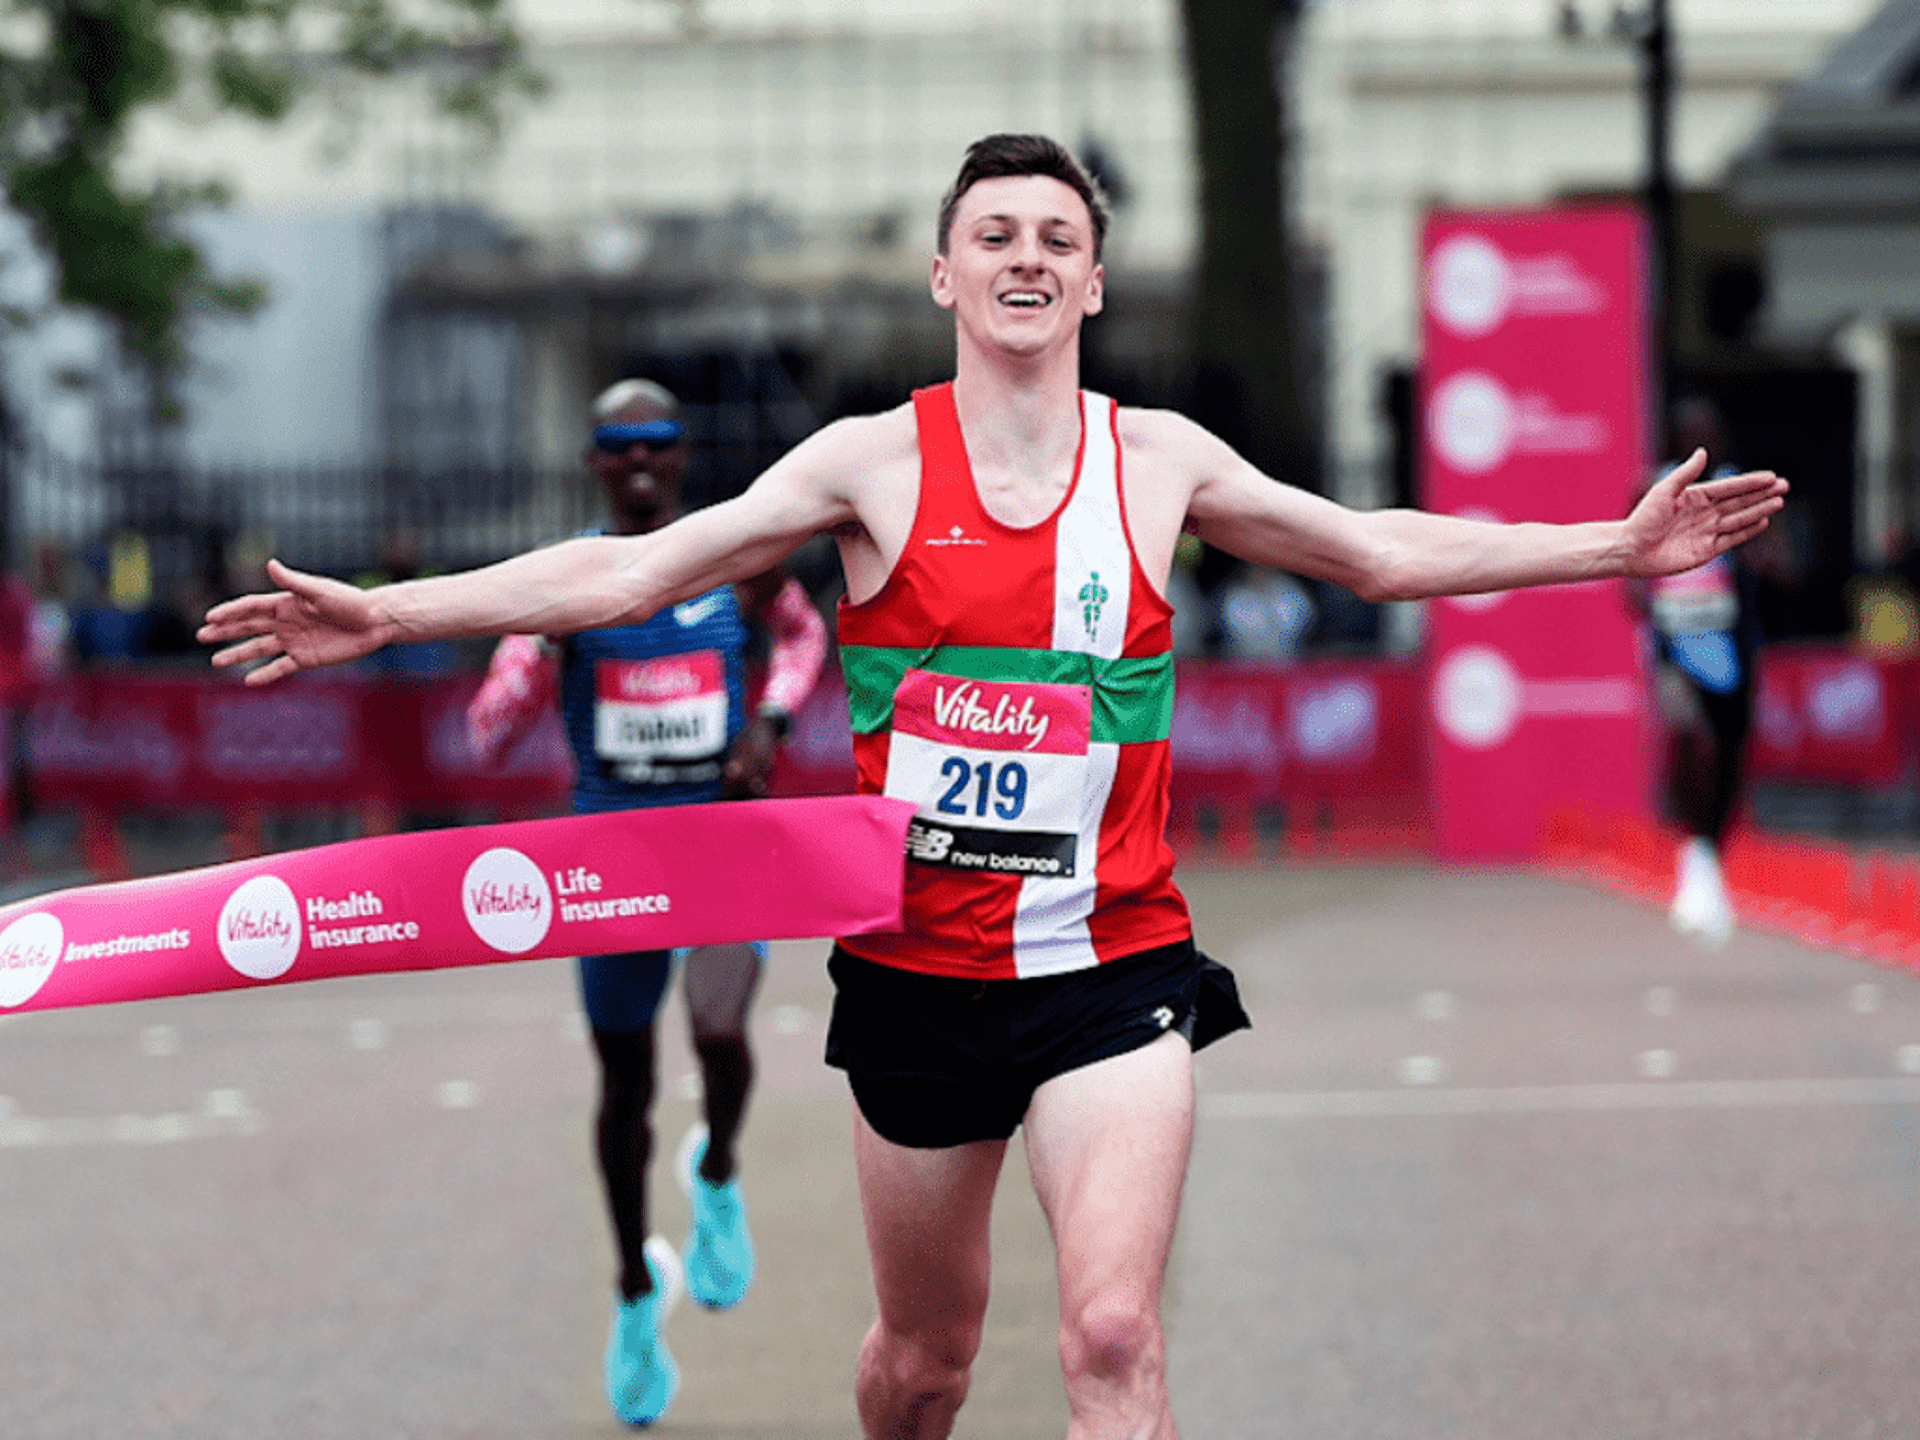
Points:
x=641, y=1375
x=719, y=1253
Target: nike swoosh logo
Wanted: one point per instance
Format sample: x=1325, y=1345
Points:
x=692, y=612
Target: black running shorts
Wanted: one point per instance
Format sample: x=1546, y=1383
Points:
x=936, y=1061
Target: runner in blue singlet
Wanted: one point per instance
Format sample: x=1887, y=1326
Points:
x=656, y=714
x=1706, y=640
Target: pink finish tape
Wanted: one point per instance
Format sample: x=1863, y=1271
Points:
x=583, y=884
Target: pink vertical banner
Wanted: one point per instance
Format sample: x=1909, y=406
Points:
x=1533, y=400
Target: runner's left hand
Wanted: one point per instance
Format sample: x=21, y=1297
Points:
x=750, y=762
x=1679, y=524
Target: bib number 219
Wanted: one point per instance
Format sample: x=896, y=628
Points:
x=974, y=787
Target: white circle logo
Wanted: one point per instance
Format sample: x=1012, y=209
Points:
x=1476, y=697
x=29, y=949
x=259, y=931
x=1468, y=285
x=1470, y=420
x=507, y=900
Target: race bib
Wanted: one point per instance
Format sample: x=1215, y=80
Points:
x=668, y=711
x=995, y=769
x=1700, y=599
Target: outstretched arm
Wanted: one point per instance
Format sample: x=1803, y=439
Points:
x=1411, y=554
x=578, y=584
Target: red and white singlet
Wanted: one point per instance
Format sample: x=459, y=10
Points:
x=1017, y=686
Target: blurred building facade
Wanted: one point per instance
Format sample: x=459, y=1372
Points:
x=740, y=195
x=1406, y=105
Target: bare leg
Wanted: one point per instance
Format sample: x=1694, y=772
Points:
x=1108, y=1147
x=720, y=983
x=623, y=1137
x=927, y=1214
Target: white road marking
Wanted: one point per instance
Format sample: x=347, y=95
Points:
x=222, y=1113
x=789, y=1020
x=1655, y=1064
x=1560, y=1099
x=458, y=1095
x=369, y=1033
x=157, y=1041
x=1438, y=1005
x=1907, y=1059
x=1660, y=1001
x=226, y=1103
x=1864, y=998
x=1422, y=1070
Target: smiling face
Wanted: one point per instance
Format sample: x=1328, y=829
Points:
x=1018, y=270
x=642, y=482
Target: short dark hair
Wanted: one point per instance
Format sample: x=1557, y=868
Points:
x=997, y=156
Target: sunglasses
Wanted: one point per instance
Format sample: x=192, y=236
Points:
x=656, y=435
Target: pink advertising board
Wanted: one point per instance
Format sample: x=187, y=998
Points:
x=1533, y=396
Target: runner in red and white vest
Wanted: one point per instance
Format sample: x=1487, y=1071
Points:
x=960, y=652
x=1032, y=728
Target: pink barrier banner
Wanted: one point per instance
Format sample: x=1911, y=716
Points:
x=1247, y=732
x=587, y=884
x=1824, y=715
x=130, y=741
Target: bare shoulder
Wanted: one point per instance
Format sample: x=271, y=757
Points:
x=869, y=467
x=1167, y=459
x=1162, y=462
x=861, y=444
x=1164, y=436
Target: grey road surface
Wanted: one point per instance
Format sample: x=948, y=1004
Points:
x=1502, y=1158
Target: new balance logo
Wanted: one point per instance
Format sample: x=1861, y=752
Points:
x=928, y=842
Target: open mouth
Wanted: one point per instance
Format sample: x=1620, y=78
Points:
x=1026, y=300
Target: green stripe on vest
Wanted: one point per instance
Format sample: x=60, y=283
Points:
x=1132, y=696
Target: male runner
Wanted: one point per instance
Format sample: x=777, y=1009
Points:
x=1706, y=640
x=1007, y=540
x=656, y=715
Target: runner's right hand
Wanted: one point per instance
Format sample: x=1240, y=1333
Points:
x=311, y=621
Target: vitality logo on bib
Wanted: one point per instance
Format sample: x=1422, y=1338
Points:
x=993, y=714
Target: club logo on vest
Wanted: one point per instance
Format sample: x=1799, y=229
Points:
x=506, y=900
x=1092, y=596
x=29, y=949
x=955, y=536
x=259, y=929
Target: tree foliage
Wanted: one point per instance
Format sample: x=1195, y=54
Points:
x=77, y=75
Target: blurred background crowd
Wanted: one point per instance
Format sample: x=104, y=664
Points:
x=338, y=283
